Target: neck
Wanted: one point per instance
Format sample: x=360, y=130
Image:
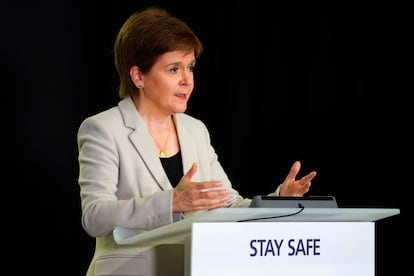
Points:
x=161, y=137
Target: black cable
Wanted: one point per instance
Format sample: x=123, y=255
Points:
x=275, y=217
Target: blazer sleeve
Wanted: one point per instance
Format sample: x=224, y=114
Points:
x=116, y=188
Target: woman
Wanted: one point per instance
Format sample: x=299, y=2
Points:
x=145, y=163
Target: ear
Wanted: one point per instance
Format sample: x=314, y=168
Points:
x=136, y=76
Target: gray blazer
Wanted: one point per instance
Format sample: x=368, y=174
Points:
x=122, y=183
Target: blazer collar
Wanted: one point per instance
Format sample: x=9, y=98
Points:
x=141, y=138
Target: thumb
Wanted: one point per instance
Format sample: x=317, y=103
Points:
x=191, y=172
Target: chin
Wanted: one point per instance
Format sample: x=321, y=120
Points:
x=180, y=109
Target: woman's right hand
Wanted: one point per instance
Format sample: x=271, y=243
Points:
x=192, y=196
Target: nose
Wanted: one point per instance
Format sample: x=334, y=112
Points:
x=187, y=77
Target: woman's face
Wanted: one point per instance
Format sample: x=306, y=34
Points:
x=170, y=82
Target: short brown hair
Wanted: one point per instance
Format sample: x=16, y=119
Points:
x=145, y=36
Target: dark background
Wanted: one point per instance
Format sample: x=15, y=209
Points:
x=322, y=82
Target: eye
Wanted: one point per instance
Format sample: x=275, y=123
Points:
x=191, y=68
x=174, y=70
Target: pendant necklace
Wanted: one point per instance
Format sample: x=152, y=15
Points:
x=163, y=153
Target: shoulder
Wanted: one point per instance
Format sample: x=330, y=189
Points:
x=191, y=128
x=102, y=118
x=112, y=117
x=189, y=121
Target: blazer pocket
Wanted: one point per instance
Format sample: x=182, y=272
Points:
x=121, y=266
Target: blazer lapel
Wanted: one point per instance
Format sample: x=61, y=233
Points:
x=187, y=145
x=141, y=138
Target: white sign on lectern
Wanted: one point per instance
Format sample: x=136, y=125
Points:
x=283, y=248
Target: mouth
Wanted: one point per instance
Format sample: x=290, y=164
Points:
x=182, y=96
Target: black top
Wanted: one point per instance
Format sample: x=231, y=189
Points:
x=173, y=167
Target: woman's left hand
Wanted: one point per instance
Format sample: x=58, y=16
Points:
x=293, y=187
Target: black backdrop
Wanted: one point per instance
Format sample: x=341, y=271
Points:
x=322, y=82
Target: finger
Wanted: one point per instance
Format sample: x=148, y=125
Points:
x=190, y=173
x=214, y=193
x=309, y=176
x=295, y=167
x=306, y=188
x=209, y=185
x=210, y=203
x=293, y=172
